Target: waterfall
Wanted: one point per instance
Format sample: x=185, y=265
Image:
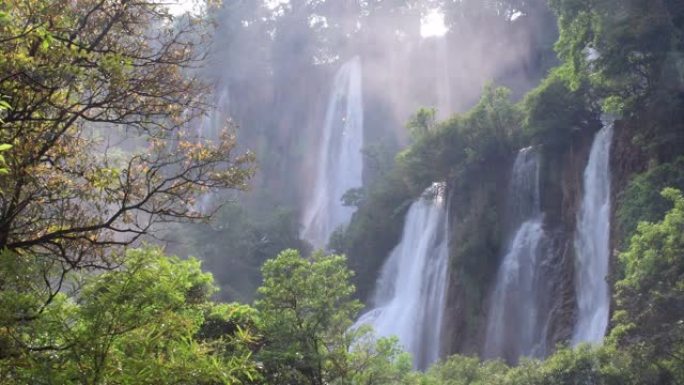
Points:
x=517, y=318
x=592, y=243
x=411, y=289
x=340, y=160
x=209, y=130
x=212, y=124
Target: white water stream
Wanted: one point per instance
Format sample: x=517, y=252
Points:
x=411, y=290
x=592, y=243
x=340, y=162
x=516, y=319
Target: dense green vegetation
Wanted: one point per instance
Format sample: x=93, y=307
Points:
x=245, y=236
x=650, y=295
x=147, y=320
x=81, y=305
x=554, y=111
x=152, y=319
x=641, y=200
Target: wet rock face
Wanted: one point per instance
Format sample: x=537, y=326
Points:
x=464, y=330
x=475, y=225
x=563, y=309
x=562, y=196
x=469, y=290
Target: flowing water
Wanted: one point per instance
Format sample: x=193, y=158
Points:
x=517, y=317
x=592, y=243
x=209, y=130
x=340, y=161
x=411, y=290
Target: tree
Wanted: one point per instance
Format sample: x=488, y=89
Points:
x=553, y=112
x=83, y=75
x=235, y=245
x=377, y=361
x=151, y=319
x=462, y=143
x=306, y=311
x=642, y=200
x=650, y=297
x=628, y=49
x=460, y=370
x=630, y=52
x=306, y=308
x=421, y=122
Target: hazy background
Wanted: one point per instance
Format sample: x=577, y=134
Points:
x=271, y=65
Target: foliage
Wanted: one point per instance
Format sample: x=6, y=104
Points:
x=306, y=309
x=375, y=228
x=460, y=370
x=650, y=296
x=236, y=242
x=421, y=122
x=353, y=197
x=376, y=361
x=463, y=143
x=553, y=111
x=147, y=320
x=79, y=77
x=582, y=365
x=641, y=200
x=150, y=321
x=632, y=41
x=631, y=53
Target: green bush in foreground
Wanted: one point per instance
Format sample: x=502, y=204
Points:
x=146, y=322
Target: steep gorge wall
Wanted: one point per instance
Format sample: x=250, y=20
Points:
x=477, y=241
x=562, y=190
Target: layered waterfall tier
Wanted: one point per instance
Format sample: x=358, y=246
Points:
x=518, y=308
x=411, y=289
x=592, y=243
x=340, y=162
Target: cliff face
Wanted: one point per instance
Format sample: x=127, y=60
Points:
x=475, y=225
x=478, y=234
x=561, y=191
x=626, y=160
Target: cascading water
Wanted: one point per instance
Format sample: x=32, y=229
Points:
x=516, y=324
x=209, y=130
x=411, y=290
x=592, y=243
x=340, y=161
x=211, y=125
